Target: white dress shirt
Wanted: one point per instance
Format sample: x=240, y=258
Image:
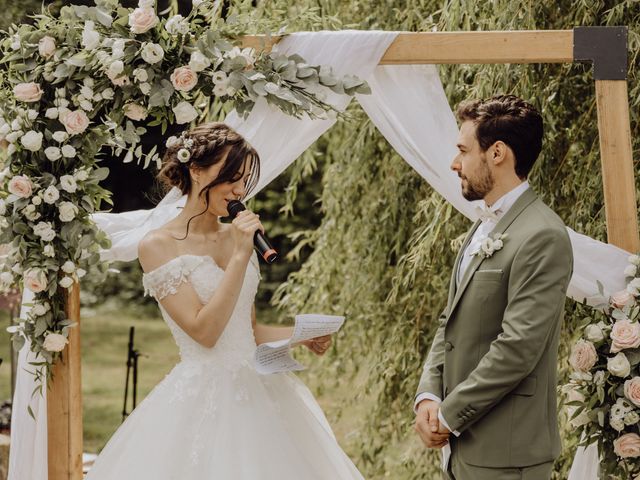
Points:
x=490, y=218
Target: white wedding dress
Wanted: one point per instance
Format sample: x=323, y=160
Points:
x=214, y=416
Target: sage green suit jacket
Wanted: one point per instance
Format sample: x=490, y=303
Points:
x=494, y=355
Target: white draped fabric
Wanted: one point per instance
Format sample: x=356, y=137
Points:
x=410, y=109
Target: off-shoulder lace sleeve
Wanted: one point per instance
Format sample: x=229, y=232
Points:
x=166, y=279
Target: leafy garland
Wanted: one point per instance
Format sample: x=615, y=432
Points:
x=603, y=394
x=93, y=77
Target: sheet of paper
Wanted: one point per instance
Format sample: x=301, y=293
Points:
x=275, y=357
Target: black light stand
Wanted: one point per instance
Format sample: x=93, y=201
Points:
x=132, y=364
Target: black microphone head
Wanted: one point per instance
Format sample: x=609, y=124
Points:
x=234, y=207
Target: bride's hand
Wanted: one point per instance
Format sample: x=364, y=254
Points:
x=244, y=227
x=318, y=345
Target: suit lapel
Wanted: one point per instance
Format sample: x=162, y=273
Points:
x=527, y=197
x=456, y=266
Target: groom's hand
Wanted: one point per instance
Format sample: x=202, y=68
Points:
x=428, y=426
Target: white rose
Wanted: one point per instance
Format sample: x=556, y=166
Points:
x=631, y=418
x=60, y=136
x=90, y=38
x=68, y=267
x=3, y=207
x=45, y=231
x=46, y=46
x=116, y=68
x=151, y=53
x=32, y=140
x=634, y=260
x=145, y=88
x=48, y=251
x=594, y=333
x=51, y=195
x=36, y=201
x=32, y=114
x=140, y=75
x=52, y=153
x=68, y=211
x=198, y=61
x=86, y=105
x=617, y=424
x=51, y=113
x=68, y=183
x=13, y=136
x=81, y=175
x=39, y=309
x=177, y=25
x=54, y=342
x=66, y=282
x=630, y=271
x=220, y=89
x=81, y=272
x=634, y=286
x=68, y=151
x=117, y=49
x=108, y=94
x=487, y=246
x=185, y=112
x=619, y=365
x=30, y=213
x=219, y=77
x=86, y=92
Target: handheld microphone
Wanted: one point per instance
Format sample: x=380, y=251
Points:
x=260, y=242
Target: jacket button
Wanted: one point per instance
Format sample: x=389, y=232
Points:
x=448, y=346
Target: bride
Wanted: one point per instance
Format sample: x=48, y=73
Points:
x=214, y=416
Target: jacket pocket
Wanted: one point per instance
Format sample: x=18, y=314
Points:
x=488, y=275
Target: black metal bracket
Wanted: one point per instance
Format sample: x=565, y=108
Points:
x=605, y=47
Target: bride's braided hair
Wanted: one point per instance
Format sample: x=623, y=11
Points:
x=209, y=144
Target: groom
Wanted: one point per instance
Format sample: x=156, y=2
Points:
x=487, y=395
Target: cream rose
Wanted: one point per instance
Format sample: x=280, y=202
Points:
x=52, y=153
x=142, y=20
x=21, y=186
x=632, y=390
x=74, y=121
x=583, y=356
x=68, y=211
x=51, y=195
x=46, y=46
x=185, y=112
x=627, y=446
x=32, y=140
x=68, y=151
x=619, y=365
x=135, y=111
x=151, y=53
x=28, y=92
x=625, y=334
x=68, y=183
x=66, y=282
x=634, y=260
x=35, y=280
x=594, y=333
x=621, y=299
x=54, y=342
x=184, y=79
x=49, y=251
x=45, y=231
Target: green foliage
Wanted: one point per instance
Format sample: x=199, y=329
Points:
x=384, y=250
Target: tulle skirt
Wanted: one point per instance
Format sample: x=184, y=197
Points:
x=204, y=423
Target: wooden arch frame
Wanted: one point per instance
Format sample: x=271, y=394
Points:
x=605, y=47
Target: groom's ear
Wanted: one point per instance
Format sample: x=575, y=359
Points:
x=498, y=152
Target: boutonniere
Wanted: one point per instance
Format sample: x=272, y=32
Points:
x=490, y=245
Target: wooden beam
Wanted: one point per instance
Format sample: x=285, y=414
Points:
x=64, y=402
x=526, y=46
x=617, y=164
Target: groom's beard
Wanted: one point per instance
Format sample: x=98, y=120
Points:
x=476, y=188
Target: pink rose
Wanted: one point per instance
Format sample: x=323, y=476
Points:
x=35, y=280
x=21, y=186
x=632, y=390
x=46, y=46
x=621, y=299
x=74, y=121
x=28, y=92
x=583, y=356
x=184, y=79
x=135, y=111
x=625, y=334
x=627, y=446
x=143, y=19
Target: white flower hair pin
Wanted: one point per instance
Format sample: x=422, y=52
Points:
x=184, y=154
x=490, y=245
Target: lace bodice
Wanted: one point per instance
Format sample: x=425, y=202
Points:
x=236, y=345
